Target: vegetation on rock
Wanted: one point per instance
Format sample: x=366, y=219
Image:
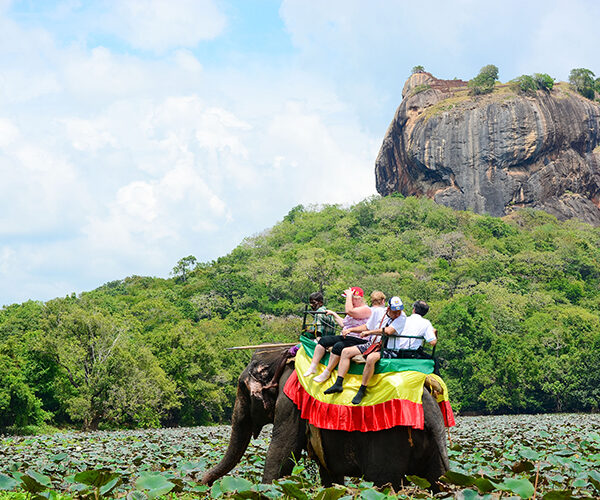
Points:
x=484, y=82
x=527, y=84
x=582, y=80
x=419, y=88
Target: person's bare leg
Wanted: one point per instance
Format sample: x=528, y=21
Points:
x=333, y=361
x=318, y=354
x=370, y=367
x=347, y=354
x=367, y=374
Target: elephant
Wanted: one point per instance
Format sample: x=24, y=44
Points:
x=382, y=457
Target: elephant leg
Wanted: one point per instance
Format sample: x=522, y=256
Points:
x=288, y=439
x=328, y=479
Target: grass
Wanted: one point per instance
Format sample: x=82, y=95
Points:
x=418, y=89
x=458, y=98
x=563, y=90
x=502, y=92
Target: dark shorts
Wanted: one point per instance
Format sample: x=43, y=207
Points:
x=363, y=347
x=339, y=342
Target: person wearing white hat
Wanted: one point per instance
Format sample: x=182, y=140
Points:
x=402, y=334
x=392, y=324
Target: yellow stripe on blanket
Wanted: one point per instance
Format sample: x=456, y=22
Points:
x=407, y=385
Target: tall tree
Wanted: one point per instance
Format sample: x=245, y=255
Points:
x=582, y=80
x=183, y=268
x=484, y=82
x=112, y=378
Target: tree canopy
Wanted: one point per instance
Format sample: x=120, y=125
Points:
x=484, y=82
x=516, y=301
x=582, y=80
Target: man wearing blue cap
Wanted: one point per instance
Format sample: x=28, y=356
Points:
x=404, y=336
x=392, y=324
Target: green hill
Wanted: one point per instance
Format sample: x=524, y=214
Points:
x=516, y=302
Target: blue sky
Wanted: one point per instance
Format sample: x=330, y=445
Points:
x=136, y=132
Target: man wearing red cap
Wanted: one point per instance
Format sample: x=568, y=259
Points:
x=357, y=313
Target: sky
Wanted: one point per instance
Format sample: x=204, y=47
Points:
x=137, y=132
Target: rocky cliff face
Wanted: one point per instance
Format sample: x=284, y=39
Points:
x=494, y=153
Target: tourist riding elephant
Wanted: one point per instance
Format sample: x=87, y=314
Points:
x=382, y=457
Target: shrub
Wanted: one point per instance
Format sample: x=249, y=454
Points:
x=582, y=80
x=527, y=84
x=484, y=82
x=417, y=69
x=524, y=84
x=419, y=88
x=543, y=81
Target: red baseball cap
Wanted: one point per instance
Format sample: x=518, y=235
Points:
x=356, y=291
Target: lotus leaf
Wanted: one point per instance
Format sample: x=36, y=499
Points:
x=521, y=487
x=7, y=483
x=154, y=485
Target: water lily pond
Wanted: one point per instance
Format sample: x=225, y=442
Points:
x=541, y=456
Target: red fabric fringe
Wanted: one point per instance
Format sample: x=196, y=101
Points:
x=353, y=418
x=447, y=413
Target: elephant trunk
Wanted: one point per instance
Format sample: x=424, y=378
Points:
x=254, y=408
x=241, y=433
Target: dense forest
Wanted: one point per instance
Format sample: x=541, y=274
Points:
x=516, y=302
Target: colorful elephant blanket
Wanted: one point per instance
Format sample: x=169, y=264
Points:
x=394, y=395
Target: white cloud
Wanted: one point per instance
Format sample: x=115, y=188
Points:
x=157, y=216
x=118, y=162
x=320, y=162
x=163, y=24
x=8, y=132
x=562, y=42
x=19, y=86
x=385, y=39
x=187, y=61
x=100, y=72
x=88, y=135
x=7, y=260
x=41, y=191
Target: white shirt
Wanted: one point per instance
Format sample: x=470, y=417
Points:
x=374, y=321
x=415, y=326
x=397, y=324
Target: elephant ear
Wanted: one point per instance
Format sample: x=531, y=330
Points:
x=260, y=372
x=434, y=387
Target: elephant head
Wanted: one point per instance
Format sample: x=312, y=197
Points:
x=254, y=408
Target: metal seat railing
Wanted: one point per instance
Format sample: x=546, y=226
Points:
x=308, y=312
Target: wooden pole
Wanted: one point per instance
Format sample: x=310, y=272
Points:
x=262, y=346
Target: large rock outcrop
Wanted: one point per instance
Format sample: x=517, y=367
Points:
x=496, y=152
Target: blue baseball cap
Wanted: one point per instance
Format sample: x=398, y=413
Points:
x=395, y=304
